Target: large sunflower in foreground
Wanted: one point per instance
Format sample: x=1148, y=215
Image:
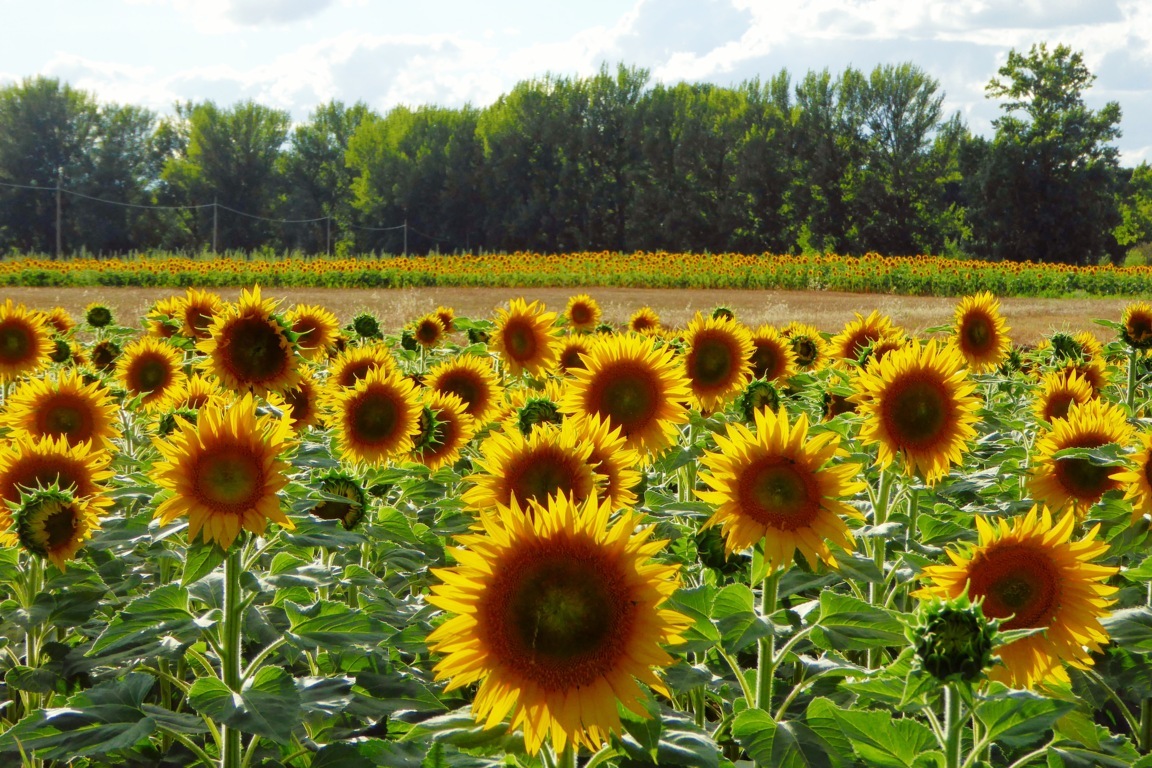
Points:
x=523, y=337
x=552, y=460
x=1030, y=573
x=64, y=407
x=717, y=363
x=1057, y=393
x=28, y=463
x=445, y=428
x=772, y=356
x=981, y=333
x=918, y=402
x=248, y=348
x=316, y=327
x=778, y=486
x=582, y=313
x=375, y=419
x=153, y=369
x=556, y=612
x=470, y=378
x=25, y=341
x=224, y=472
x=54, y=524
x=633, y=386
x=1072, y=481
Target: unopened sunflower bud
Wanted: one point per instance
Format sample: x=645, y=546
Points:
x=953, y=640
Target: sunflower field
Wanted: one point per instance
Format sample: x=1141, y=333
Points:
x=245, y=534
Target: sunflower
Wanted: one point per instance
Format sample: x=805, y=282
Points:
x=153, y=369
x=717, y=363
x=523, y=338
x=198, y=309
x=1030, y=573
x=224, y=472
x=552, y=460
x=54, y=525
x=303, y=400
x=447, y=317
x=105, y=354
x=861, y=333
x=772, y=356
x=525, y=408
x=980, y=332
x=1057, y=393
x=1137, y=479
x=1077, y=482
x=65, y=407
x=556, y=612
x=29, y=463
x=920, y=403
x=634, y=386
x=349, y=512
x=611, y=457
x=888, y=343
x=316, y=328
x=200, y=390
x=644, y=320
x=582, y=313
x=429, y=330
x=1091, y=369
x=471, y=378
x=165, y=317
x=60, y=320
x=98, y=315
x=445, y=429
x=778, y=486
x=25, y=341
x=808, y=345
x=354, y=363
x=375, y=419
x=1136, y=325
x=572, y=347
x=248, y=348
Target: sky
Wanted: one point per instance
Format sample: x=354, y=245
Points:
x=297, y=54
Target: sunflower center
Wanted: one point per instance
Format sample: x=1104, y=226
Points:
x=373, y=418
x=766, y=361
x=1083, y=479
x=520, y=340
x=570, y=358
x=775, y=492
x=581, y=314
x=977, y=333
x=464, y=387
x=428, y=333
x=711, y=361
x=150, y=374
x=305, y=328
x=1140, y=328
x=354, y=372
x=1058, y=405
x=60, y=526
x=42, y=471
x=299, y=400
x=230, y=478
x=543, y=474
x=628, y=397
x=805, y=350
x=65, y=416
x=916, y=412
x=15, y=342
x=255, y=351
x=1019, y=581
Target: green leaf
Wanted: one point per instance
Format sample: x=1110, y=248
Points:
x=268, y=705
x=879, y=740
x=736, y=618
x=1020, y=718
x=378, y=695
x=333, y=626
x=200, y=560
x=147, y=619
x=1130, y=629
x=848, y=624
x=31, y=680
x=784, y=744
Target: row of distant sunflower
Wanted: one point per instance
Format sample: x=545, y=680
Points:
x=918, y=275
x=961, y=466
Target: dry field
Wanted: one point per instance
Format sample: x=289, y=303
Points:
x=1029, y=319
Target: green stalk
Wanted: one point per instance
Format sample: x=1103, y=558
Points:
x=953, y=724
x=879, y=549
x=230, y=661
x=567, y=758
x=1145, y=740
x=1130, y=395
x=766, y=661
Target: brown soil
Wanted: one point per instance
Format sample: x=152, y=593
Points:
x=1028, y=319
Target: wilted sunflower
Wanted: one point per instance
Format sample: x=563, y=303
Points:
x=1030, y=573
x=644, y=320
x=778, y=486
x=556, y=612
x=375, y=419
x=1076, y=482
x=552, y=460
x=1057, y=392
x=772, y=355
x=153, y=368
x=248, y=348
x=634, y=386
x=861, y=333
x=354, y=363
x=524, y=338
x=980, y=332
x=63, y=407
x=717, y=363
x=224, y=472
x=1137, y=479
x=1136, y=325
x=429, y=330
x=445, y=428
x=611, y=457
x=582, y=313
x=54, y=524
x=571, y=349
x=25, y=341
x=808, y=345
x=316, y=327
x=470, y=378
x=918, y=402
x=28, y=463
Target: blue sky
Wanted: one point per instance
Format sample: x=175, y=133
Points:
x=295, y=54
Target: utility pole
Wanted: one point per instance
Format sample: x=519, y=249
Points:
x=215, y=212
x=59, y=214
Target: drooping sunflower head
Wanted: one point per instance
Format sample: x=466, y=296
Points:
x=633, y=385
x=919, y=403
x=197, y=310
x=861, y=333
x=981, y=333
x=444, y=431
x=1136, y=322
x=66, y=407
x=165, y=317
x=225, y=472
x=808, y=345
x=717, y=363
x=1072, y=481
x=153, y=369
x=54, y=524
x=572, y=348
x=1057, y=393
x=582, y=313
x=644, y=320
x=524, y=338
x=249, y=349
x=778, y=486
x=98, y=315
x=772, y=356
x=316, y=329
x=1031, y=575
x=25, y=341
x=556, y=612
x=351, y=500
x=374, y=420
x=470, y=378
x=429, y=330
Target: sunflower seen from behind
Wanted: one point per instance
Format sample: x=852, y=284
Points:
x=1031, y=574
x=779, y=486
x=225, y=472
x=374, y=420
x=718, y=360
x=25, y=341
x=64, y=406
x=53, y=524
x=1069, y=481
x=153, y=370
x=980, y=332
x=555, y=612
x=524, y=338
x=248, y=348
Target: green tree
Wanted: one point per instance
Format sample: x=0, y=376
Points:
x=1136, y=208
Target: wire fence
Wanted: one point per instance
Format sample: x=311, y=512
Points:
x=60, y=191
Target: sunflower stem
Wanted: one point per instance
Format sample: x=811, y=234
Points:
x=953, y=724
x=1130, y=393
x=880, y=549
x=766, y=660
x=230, y=757
x=1146, y=725
x=567, y=758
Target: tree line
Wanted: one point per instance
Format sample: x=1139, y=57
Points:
x=849, y=163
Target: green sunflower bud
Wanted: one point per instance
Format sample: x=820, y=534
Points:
x=477, y=336
x=1065, y=347
x=428, y=434
x=953, y=640
x=408, y=340
x=723, y=312
x=98, y=316
x=61, y=352
x=366, y=325
x=538, y=410
x=758, y=395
